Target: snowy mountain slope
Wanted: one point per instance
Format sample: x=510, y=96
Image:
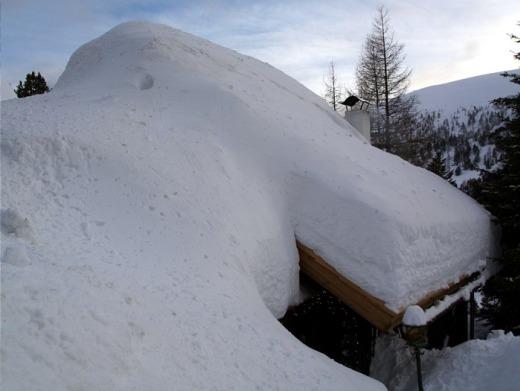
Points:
x=150, y=205
x=460, y=119
x=474, y=91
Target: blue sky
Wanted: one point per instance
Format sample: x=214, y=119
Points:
x=444, y=40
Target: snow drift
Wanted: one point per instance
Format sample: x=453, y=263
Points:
x=477, y=365
x=150, y=205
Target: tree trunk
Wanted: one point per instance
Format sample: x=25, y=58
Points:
x=387, y=97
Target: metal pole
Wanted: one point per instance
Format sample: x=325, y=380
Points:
x=419, y=373
x=472, y=311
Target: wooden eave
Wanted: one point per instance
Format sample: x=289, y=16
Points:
x=366, y=305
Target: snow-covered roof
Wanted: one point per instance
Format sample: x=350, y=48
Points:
x=154, y=198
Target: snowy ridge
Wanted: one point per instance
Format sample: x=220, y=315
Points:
x=460, y=118
x=163, y=183
x=471, y=92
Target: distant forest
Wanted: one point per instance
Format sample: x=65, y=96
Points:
x=463, y=139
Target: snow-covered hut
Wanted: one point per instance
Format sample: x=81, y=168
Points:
x=151, y=209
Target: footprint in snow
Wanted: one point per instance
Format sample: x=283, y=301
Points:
x=15, y=256
x=13, y=224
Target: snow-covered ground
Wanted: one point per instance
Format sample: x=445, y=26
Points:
x=477, y=365
x=150, y=206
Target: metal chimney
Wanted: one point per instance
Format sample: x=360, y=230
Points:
x=356, y=114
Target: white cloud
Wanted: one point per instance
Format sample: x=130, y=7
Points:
x=445, y=40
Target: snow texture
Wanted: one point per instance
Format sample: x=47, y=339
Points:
x=12, y=224
x=150, y=206
x=414, y=316
x=476, y=365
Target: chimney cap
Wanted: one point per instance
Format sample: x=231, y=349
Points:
x=353, y=103
x=350, y=101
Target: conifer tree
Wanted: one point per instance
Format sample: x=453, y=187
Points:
x=499, y=192
x=438, y=166
x=34, y=84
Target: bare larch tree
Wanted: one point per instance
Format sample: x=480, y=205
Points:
x=382, y=79
x=332, y=87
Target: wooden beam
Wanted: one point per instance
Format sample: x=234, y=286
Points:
x=369, y=307
x=366, y=305
x=429, y=299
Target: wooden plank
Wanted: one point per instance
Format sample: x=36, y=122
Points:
x=366, y=305
x=432, y=297
x=369, y=307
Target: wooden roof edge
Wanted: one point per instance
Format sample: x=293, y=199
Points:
x=371, y=308
x=366, y=305
x=430, y=298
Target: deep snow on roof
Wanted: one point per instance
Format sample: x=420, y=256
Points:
x=153, y=199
